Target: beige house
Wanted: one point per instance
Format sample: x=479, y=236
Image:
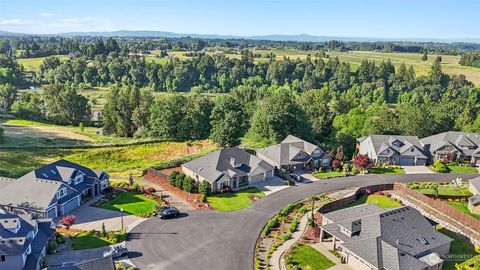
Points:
x=474, y=201
x=368, y=237
x=232, y=167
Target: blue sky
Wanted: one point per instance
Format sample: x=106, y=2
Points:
x=349, y=18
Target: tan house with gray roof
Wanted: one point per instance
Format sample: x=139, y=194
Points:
x=463, y=145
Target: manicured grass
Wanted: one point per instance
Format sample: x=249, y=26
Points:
x=462, y=169
x=447, y=191
x=88, y=240
x=306, y=257
x=458, y=247
x=463, y=206
x=379, y=200
x=326, y=175
x=386, y=171
x=131, y=203
x=232, y=201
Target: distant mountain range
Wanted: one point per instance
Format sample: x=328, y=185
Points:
x=298, y=38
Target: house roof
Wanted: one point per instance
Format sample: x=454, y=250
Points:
x=44, y=234
x=37, y=189
x=103, y=263
x=285, y=152
x=393, y=239
x=460, y=141
x=474, y=200
x=398, y=144
x=231, y=161
x=475, y=182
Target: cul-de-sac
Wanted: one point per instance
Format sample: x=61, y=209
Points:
x=239, y=135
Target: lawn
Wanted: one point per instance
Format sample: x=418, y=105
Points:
x=386, y=171
x=89, y=240
x=33, y=64
x=463, y=206
x=379, y=200
x=131, y=203
x=308, y=258
x=458, y=247
x=326, y=175
x=461, y=169
x=232, y=201
x=447, y=191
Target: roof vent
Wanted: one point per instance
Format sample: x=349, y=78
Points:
x=45, y=175
x=423, y=240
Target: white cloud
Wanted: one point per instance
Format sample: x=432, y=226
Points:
x=82, y=24
x=12, y=22
x=54, y=25
x=46, y=14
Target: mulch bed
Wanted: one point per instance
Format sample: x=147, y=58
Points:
x=64, y=230
x=190, y=198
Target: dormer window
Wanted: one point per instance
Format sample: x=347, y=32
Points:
x=61, y=193
x=412, y=150
x=78, y=178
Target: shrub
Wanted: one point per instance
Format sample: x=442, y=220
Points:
x=59, y=238
x=270, y=224
x=203, y=198
x=150, y=190
x=439, y=167
x=179, y=180
x=172, y=177
x=68, y=221
x=205, y=188
x=189, y=185
x=52, y=247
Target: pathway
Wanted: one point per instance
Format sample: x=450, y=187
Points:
x=277, y=260
x=167, y=195
x=416, y=169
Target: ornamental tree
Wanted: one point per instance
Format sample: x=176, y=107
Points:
x=68, y=221
x=362, y=162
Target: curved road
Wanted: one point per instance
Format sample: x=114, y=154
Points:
x=216, y=240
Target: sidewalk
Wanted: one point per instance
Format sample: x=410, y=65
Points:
x=276, y=261
x=170, y=197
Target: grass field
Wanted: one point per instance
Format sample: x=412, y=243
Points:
x=131, y=203
x=386, y=171
x=461, y=169
x=379, y=200
x=308, y=258
x=458, y=247
x=463, y=206
x=88, y=240
x=447, y=191
x=119, y=162
x=33, y=64
x=326, y=175
x=232, y=201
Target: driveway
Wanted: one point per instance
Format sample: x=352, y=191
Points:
x=215, y=240
x=416, y=169
x=91, y=218
x=271, y=185
x=75, y=256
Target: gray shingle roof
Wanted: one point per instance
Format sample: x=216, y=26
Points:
x=381, y=143
x=389, y=239
x=216, y=164
x=456, y=139
x=475, y=182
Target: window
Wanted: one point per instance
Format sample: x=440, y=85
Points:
x=412, y=150
x=78, y=178
x=2, y=258
x=104, y=184
x=61, y=193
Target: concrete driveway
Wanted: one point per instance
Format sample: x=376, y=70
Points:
x=91, y=218
x=416, y=169
x=75, y=256
x=226, y=240
x=271, y=186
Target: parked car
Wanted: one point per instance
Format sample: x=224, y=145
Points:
x=116, y=252
x=297, y=177
x=170, y=212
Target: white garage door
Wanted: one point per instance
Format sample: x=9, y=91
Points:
x=256, y=178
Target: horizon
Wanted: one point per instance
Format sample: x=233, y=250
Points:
x=372, y=19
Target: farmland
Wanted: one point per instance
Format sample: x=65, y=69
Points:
x=33, y=64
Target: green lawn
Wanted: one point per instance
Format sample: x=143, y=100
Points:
x=308, y=258
x=461, y=169
x=447, y=191
x=131, y=203
x=386, y=171
x=88, y=240
x=326, y=175
x=463, y=206
x=458, y=247
x=379, y=200
x=232, y=201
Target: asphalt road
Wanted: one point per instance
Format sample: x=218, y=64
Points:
x=214, y=240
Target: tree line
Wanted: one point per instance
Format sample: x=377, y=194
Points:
x=470, y=59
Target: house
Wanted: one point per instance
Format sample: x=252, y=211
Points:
x=368, y=237
x=101, y=263
x=392, y=149
x=293, y=154
x=23, y=241
x=231, y=167
x=474, y=201
x=463, y=146
x=53, y=190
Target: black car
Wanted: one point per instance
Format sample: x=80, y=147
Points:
x=170, y=212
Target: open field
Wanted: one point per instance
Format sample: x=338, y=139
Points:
x=33, y=64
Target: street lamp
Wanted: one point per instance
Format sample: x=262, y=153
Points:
x=121, y=215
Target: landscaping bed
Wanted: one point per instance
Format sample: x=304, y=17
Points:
x=386, y=170
x=453, y=167
x=441, y=188
x=94, y=239
x=232, y=201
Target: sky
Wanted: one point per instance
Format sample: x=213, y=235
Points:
x=438, y=19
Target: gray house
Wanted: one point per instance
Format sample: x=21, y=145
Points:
x=231, y=167
x=294, y=153
x=368, y=237
x=53, y=190
x=464, y=146
x=392, y=149
x=23, y=241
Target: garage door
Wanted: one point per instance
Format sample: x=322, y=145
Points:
x=69, y=206
x=269, y=174
x=406, y=161
x=421, y=162
x=256, y=178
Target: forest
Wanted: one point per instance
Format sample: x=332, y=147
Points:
x=318, y=99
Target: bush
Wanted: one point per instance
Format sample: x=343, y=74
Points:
x=150, y=190
x=205, y=188
x=172, y=177
x=439, y=167
x=270, y=224
x=68, y=221
x=59, y=238
x=52, y=247
x=179, y=180
x=189, y=185
x=203, y=198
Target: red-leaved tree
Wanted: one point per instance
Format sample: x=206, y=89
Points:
x=362, y=162
x=68, y=221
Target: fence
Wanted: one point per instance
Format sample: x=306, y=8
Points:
x=158, y=173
